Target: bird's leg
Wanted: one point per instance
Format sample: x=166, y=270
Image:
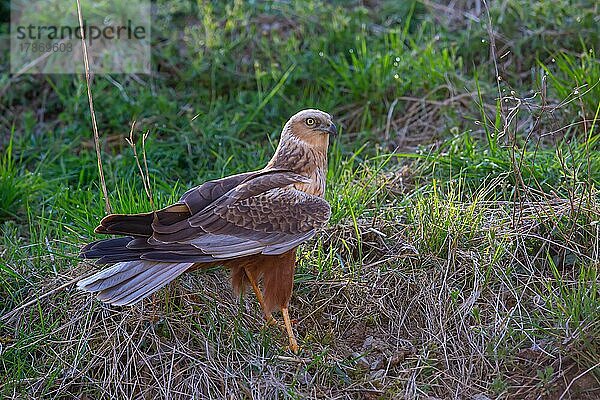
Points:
x=288, y=327
x=259, y=296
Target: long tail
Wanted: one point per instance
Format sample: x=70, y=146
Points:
x=128, y=282
x=109, y=251
x=124, y=224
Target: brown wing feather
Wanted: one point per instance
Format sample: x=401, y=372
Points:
x=271, y=222
x=236, y=216
x=192, y=201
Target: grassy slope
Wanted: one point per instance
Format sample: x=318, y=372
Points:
x=463, y=250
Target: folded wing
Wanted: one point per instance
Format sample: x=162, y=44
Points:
x=262, y=215
x=254, y=213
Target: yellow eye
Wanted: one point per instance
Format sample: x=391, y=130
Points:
x=310, y=121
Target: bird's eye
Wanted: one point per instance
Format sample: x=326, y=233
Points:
x=310, y=121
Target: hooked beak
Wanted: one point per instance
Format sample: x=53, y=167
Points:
x=331, y=129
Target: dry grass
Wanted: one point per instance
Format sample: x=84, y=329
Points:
x=416, y=291
x=388, y=319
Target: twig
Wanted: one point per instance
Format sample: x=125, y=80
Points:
x=145, y=177
x=293, y=359
x=30, y=302
x=149, y=191
x=577, y=377
x=93, y=114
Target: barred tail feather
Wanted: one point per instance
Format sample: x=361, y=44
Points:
x=126, y=283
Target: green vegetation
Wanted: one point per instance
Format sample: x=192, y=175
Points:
x=463, y=251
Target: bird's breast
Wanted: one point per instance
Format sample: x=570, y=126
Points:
x=316, y=186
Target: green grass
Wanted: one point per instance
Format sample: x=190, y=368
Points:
x=462, y=253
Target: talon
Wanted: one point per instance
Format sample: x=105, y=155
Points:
x=288, y=327
x=293, y=347
x=270, y=321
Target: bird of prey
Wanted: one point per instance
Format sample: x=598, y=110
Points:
x=251, y=223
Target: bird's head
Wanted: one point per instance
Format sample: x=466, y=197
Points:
x=311, y=127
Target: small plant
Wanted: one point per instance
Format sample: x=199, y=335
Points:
x=15, y=186
x=576, y=81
